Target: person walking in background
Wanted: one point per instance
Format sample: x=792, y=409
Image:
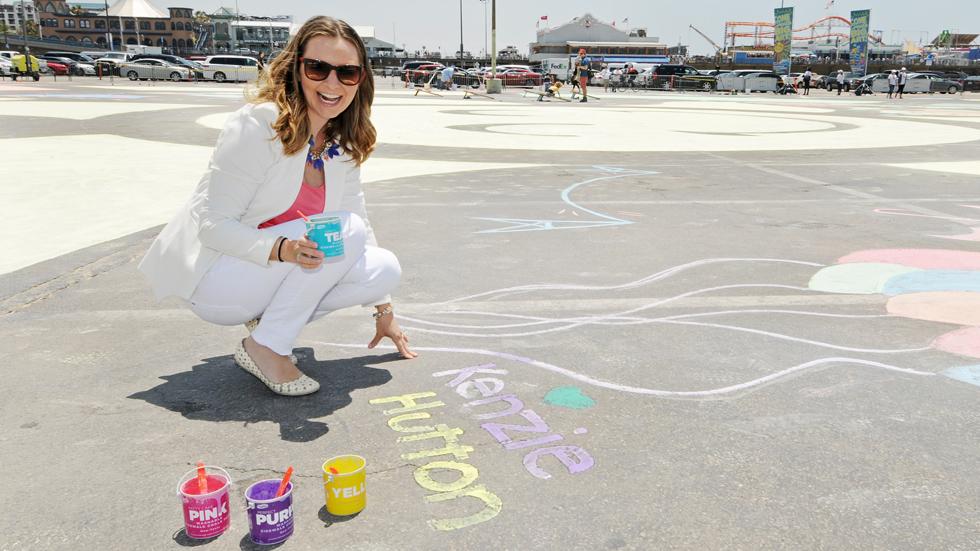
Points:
x=582, y=74
x=807, y=76
x=840, y=81
x=447, y=77
x=903, y=78
x=892, y=82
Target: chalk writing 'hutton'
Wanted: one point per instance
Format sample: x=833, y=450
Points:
x=445, y=491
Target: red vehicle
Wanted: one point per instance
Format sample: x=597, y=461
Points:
x=422, y=73
x=57, y=68
x=519, y=77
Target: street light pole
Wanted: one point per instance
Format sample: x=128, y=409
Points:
x=494, y=85
x=23, y=28
x=461, y=33
x=493, y=38
x=108, y=31
x=485, y=43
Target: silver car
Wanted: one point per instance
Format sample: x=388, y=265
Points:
x=153, y=69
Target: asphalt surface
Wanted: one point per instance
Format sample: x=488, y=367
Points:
x=682, y=356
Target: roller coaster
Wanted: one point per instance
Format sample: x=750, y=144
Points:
x=763, y=33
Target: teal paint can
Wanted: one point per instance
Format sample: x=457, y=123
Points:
x=328, y=234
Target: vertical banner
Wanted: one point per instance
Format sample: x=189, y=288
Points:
x=783, y=48
x=860, y=26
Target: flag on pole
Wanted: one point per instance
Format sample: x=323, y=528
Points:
x=544, y=17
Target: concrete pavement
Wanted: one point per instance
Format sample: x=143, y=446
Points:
x=718, y=322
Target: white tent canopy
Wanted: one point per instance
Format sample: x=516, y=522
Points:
x=139, y=9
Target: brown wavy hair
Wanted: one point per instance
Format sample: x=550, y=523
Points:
x=280, y=83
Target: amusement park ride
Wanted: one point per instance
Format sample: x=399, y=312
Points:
x=828, y=30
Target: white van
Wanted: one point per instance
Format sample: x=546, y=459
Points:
x=221, y=68
x=558, y=66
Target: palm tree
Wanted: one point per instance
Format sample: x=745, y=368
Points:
x=201, y=21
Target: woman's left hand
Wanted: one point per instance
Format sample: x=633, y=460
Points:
x=386, y=326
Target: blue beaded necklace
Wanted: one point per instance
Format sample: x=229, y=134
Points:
x=315, y=158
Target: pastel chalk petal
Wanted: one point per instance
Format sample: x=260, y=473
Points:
x=967, y=373
x=858, y=279
x=945, y=307
x=965, y=342
x=924, y=281
x=926, y=259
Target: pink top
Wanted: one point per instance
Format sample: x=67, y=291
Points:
x=310, y=200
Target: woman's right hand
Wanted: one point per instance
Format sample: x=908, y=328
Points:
x=302, y=251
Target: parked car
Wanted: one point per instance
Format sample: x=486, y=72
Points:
x=972, y=83
x=830, y=81
x=153, y=69
x=193, y=66
x=412, y=65
x=796, y=79
x=74, y=56
x=422, y=73
x=6, y=67
x=220, y=68
x=935, y=84
x=678, y=77
x=519, y=77
x=56, y=68
x=72, y=65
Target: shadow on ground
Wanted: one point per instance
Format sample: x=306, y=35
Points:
x=217, y=390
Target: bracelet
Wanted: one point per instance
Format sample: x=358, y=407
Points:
x=378, y=315
x=279, y=250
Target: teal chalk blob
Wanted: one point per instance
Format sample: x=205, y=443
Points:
x=569, y=397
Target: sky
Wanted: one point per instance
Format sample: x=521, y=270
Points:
x=435, y=23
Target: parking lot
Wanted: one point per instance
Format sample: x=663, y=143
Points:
x=709, y=321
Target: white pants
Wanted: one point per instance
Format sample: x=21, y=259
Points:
x=287, y=296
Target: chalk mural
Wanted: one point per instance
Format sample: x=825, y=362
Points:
x=600, y=220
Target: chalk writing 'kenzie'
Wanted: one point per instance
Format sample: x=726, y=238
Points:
x=574, y=458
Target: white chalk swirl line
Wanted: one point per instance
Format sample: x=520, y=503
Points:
x=616, y=320
x=632, y=284
x=585, y=379
x=780, y=336
x=589, y=319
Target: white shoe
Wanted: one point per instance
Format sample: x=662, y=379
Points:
x=297, y=387
x=252, y=324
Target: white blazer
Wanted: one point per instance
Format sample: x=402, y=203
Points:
x=249, y=180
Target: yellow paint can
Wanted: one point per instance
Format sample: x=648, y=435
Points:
x=344, y=485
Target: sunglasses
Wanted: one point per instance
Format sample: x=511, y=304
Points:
x=317, y=70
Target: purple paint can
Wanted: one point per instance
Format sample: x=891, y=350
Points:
x=270, y=518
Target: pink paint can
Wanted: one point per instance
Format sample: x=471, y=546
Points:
x=206, y=515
